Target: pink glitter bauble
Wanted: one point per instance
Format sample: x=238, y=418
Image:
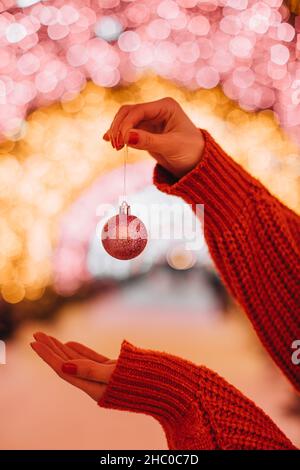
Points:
x=124, y=236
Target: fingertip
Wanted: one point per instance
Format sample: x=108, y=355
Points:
x=106, y=137
x=39, y=333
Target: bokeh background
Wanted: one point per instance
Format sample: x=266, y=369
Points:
x=65, y=69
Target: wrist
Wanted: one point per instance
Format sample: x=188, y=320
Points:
x=217, y=182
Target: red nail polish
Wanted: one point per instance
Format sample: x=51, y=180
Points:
x=133, y=138
x=69, y=368
x=120, y=142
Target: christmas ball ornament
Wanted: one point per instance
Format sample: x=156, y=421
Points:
x=124, y=236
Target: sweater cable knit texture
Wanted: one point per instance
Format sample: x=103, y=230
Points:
x=254, y=241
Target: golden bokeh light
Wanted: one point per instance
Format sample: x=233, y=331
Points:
x=62, y=152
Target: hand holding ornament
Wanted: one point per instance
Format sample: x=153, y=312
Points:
x=163, y=129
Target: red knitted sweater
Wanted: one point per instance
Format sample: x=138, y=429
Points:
x=254, y=241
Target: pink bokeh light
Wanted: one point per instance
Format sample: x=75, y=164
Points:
x=49, y=50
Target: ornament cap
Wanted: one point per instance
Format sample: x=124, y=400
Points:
x=124, y=208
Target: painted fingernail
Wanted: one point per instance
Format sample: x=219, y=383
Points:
x=106, y=137
x=133, y=138
x=120, y=142
x=69, y=368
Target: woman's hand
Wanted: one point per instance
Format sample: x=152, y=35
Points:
x=75, y=363
x=163, y=129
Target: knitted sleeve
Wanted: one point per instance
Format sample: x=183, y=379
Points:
x=254, y=241
x=196, y=408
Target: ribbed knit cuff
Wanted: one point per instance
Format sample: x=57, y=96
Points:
x=157, y=384
x=217, y=182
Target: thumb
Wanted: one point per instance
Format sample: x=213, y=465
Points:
x=143, y=140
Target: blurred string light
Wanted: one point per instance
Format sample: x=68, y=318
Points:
x=108, y=28
x=46, y=239
x=15, y=32
x=48, y=50
x=27, y=3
